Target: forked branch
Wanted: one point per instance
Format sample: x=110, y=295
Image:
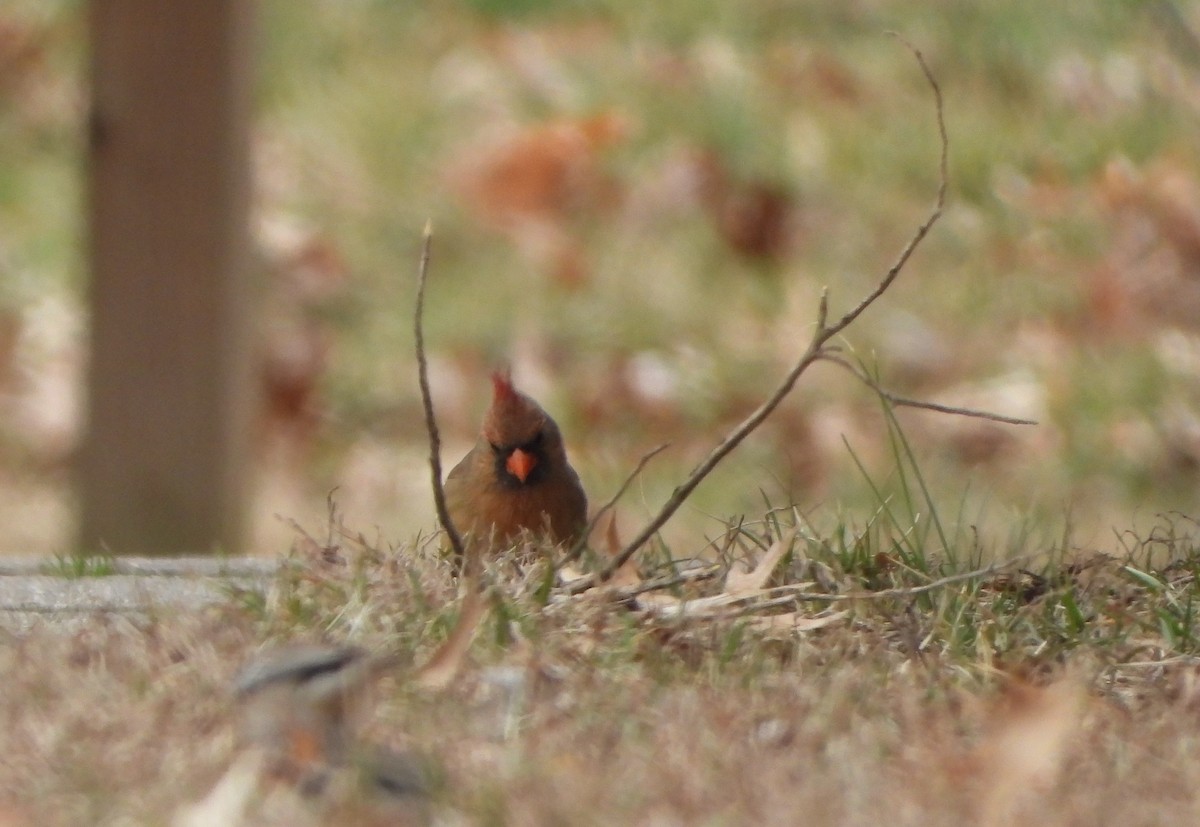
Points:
x=904, y=402
x=818, y=349
x=815, y=351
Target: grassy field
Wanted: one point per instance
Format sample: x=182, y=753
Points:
x=887, y=689
x=638, y=208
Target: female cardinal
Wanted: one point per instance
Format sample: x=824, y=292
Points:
x=516, y=478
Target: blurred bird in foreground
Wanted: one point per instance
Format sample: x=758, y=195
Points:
x=516, y=479
x=296, y=703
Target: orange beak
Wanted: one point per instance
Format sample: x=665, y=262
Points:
x=520, y=463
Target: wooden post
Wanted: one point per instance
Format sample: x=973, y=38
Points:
x=164, y=463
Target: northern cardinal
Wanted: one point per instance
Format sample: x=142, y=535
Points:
x=516, y=478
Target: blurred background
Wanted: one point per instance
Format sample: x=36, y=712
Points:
x=636, y=207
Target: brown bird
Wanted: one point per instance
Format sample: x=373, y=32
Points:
x=296, y=707
x=296, y=703
x=516, y=478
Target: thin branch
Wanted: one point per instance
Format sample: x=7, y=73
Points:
x=911, y=591
x=749, y=609
x=903, y=402
x=669, y=581
x=823, y=309
x=680, y=495
x=905, y=254
x=815, y=351
x=654, y=584
x=581, y=546
x=435, y=440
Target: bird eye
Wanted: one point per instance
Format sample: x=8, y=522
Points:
x=498, y=450
x=533, y=443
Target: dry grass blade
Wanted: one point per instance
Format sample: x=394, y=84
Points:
x=737, y=582
x=623, y=592
x=908, y=591
x=790, y=623
x=448, y=659
x=746, y=598
x=670, y=581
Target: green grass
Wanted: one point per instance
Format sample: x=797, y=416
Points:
x=76, y=566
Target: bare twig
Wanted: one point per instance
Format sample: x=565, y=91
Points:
x=666, y=581
x=435, y=440
x=902, y=402
x=815, y=351
x=670, y=581
x=944, y=177
x=580, y=546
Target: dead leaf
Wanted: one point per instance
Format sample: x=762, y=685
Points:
x=789, y=623
x=744, y=583
x=754, y=216
x=447, y=660
x=530, y=186
x=627, y=575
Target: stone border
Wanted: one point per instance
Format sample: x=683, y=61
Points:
x=31, y=594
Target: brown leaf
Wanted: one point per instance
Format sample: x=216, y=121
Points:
x=787, y=624
x=545, y=171
x=627, y=575
x=746, y=582
x=447, y=660
x=754, y=217
x=530, y=186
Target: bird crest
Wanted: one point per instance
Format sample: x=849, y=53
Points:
x=503, y=391
x=514, y=417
